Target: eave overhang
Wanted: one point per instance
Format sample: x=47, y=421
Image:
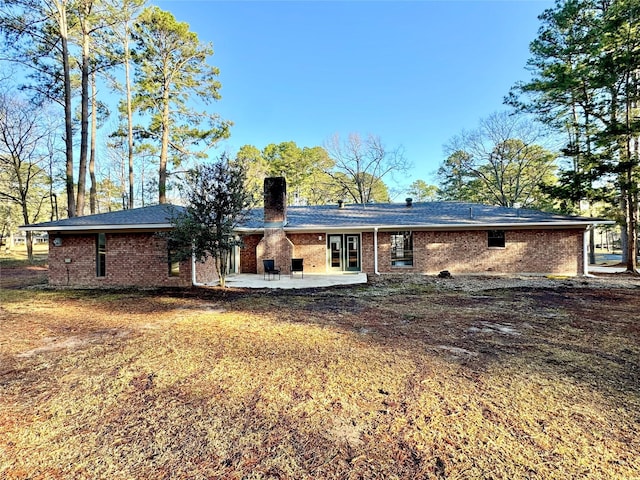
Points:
x=579, y=224
x=142, y=227
x=156, y=227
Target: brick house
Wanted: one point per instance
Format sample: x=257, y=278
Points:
x=122, y=248
x=424, y=238
x=119, y=249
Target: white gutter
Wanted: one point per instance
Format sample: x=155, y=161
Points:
x=375, y=251
x=445, y=226
x=194, y=282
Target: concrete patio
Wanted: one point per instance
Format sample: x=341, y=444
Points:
x=605, y=269
x=319, y=280
x=310, y=280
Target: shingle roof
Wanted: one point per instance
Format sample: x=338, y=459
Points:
x=357, y=216
x=426, y=215
x=155, y=216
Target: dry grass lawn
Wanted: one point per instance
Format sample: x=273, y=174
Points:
x=16, y=271
x=382, y=381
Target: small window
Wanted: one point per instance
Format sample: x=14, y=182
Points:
x=174, y=263
x=495, y=238
x=101, y=255
x=402, y=249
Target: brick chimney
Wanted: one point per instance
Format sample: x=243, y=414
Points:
x=275, y=244
x=275, y=202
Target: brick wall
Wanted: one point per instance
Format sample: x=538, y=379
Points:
x=525, y=251
x=248, y=260
x=206, y=272
x=132, y=259
x=312, y=248
x=274, y=245
x=367, y=249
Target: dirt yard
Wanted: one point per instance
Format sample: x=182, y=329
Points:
x=501, y=378
x=22, y=276
x=16, y=271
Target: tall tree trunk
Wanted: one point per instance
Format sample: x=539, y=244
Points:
x=93, y=192
x=142, y=198
x=53, y=198
x=630, y=183
x=127, y=74
x=631, y=217
x=587, y=128
x=84, y=108
x=123, y=186
x=28, y=241
x=624, y=231
x=28, y=238
x=164, y=149
x=61, y=7
x=221, y=269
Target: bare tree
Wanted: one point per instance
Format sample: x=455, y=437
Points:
x=25, y=136
x=500, y=162
x=113, y=171
x=361, y=164
x=38, y=34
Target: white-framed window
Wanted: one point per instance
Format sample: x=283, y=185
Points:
x=402, y=249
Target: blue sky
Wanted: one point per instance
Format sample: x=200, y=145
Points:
x=414, y=73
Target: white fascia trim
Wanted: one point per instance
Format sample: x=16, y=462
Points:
x=92, y=228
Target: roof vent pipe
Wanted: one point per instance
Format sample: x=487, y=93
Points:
x=517, y=206
x=470, y=212
x=340, y=203
x=409, y=201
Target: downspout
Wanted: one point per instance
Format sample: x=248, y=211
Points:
x=194, y=282
x=585, y=251
x=375, y=251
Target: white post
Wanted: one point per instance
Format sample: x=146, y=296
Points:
x=585, y=251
